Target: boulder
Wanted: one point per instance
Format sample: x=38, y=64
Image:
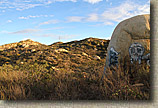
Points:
x=130, y=38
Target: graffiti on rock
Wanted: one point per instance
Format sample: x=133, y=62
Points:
x=147, y=58
x=113, y=57
x=136, y=51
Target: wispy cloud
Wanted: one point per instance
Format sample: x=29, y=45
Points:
x=9, y=21
x=4, y=32
x=22, y=17
x=108, y=23
x=34, y=16
x=49, y=22
x=126, y=10
x=33, y=31
x=115, y=14
x=93, y=1
x=26, y=31
x=58, y=28
x=43, y=33
x=27, y=4
x=74, y=19
x=92, y=17
x=21, y=5
x=65, y=0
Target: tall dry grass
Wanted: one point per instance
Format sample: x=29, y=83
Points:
x=126, y=82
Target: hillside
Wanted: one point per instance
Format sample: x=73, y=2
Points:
x=68, y=71
x=28, y=51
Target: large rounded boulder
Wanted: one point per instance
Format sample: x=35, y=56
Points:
x=130, y=38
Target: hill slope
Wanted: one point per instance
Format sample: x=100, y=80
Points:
x=55, y=55
x=68, y=71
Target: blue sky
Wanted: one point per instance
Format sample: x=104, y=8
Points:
x=47, y=20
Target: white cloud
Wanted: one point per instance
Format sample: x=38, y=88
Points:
x=34, y=16
x=27, y=4
x=126, y=10
x=23, y=17
x=74, y=19
x=92, y=17
x=65, y=0
x=108, y=23
x=9, y=21
x=93, y=1
x=49, y=22
x=21, y=7
x=115, y=14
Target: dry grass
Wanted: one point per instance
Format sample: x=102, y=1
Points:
x=127, y=82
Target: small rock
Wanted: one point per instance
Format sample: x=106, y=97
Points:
x=61, y=50
x=25, y=45
x=96, y=57
x=84, y=54
x=95, y=49
x=21, y=62
x=33, y=50
x=55, y=68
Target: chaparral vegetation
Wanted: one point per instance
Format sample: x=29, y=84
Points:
x=69, y=71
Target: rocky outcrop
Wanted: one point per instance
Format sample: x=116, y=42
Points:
x=22, y=44
x=130, y=38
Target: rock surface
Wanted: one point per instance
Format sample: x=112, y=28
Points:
x=127, y=32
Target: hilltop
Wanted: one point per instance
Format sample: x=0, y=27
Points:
x=23, y=43
x=28, y=51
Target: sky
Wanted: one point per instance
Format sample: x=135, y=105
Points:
x=49, y=21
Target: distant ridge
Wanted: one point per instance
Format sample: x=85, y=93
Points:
x=29, y=51
x=31, y=42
